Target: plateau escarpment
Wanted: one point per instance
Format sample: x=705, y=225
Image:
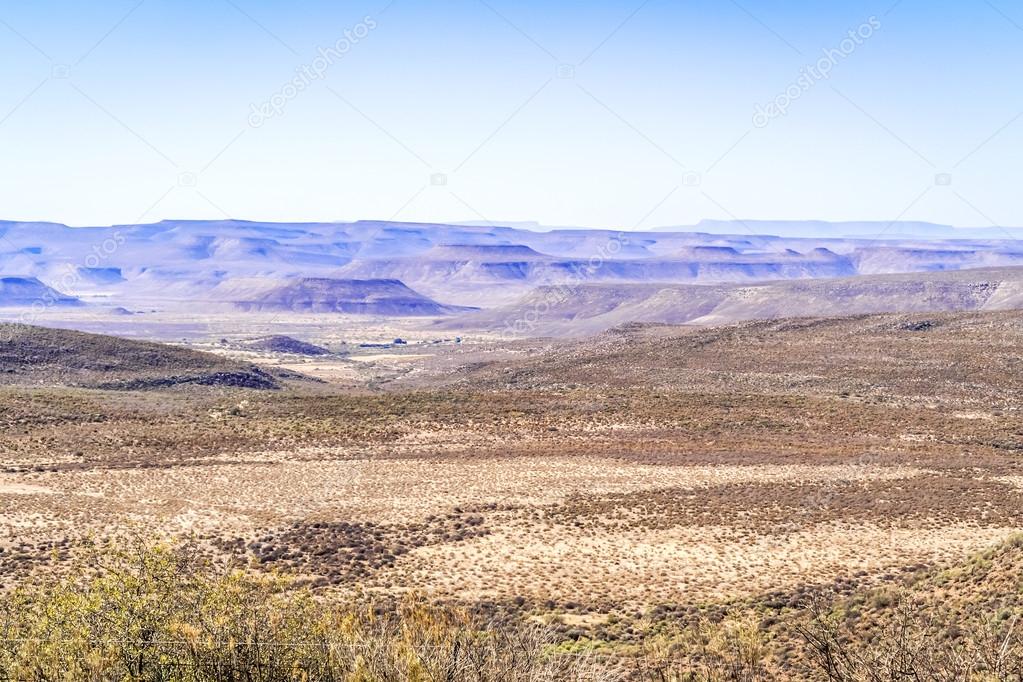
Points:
x=172, y=265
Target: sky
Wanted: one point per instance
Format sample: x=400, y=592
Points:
x=626, y=115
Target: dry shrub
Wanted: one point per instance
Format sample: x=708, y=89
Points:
x=914, y=644
x=731, y=651
x=156, y=614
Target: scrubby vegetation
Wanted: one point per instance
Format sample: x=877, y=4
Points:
x=157, y=614
x=915, y=646
x=957, y=623
x=36, y=355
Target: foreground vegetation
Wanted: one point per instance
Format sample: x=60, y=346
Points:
x=155, y=614
x=161, y=614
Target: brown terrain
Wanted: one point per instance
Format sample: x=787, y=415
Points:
x=613, y=486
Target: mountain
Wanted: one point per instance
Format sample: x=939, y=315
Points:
x=486, y=275
x=29, y=291
x=384, y=297
x=173, y=264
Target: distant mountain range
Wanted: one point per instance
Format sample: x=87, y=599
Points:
x=811, y=229
x=404, y=269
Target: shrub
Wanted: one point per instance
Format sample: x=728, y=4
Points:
x=156, y=614
x=914, y=644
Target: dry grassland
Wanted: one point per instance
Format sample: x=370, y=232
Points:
x=649, y=466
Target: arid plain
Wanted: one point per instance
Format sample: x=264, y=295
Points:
x=582, y=482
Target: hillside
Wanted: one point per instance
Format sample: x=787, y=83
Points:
x=279, y=343
x=590, y=309
x=29, y=291
x=41, y=356
x=971, y=591
x=957, y=358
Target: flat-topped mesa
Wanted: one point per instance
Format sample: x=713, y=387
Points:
x=173, y=265
x=709, y=252
x=483, y=252
x=388, y=297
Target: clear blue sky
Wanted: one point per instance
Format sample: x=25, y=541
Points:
x=616, y=114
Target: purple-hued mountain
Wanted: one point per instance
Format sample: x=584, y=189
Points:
x=378, y=297
x=443, y=268
x=29, y=291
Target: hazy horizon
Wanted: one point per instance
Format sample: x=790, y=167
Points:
x=536, y=226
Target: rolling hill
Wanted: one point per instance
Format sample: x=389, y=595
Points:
x=280, y=343
x=41, y=356
x=969, y=358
